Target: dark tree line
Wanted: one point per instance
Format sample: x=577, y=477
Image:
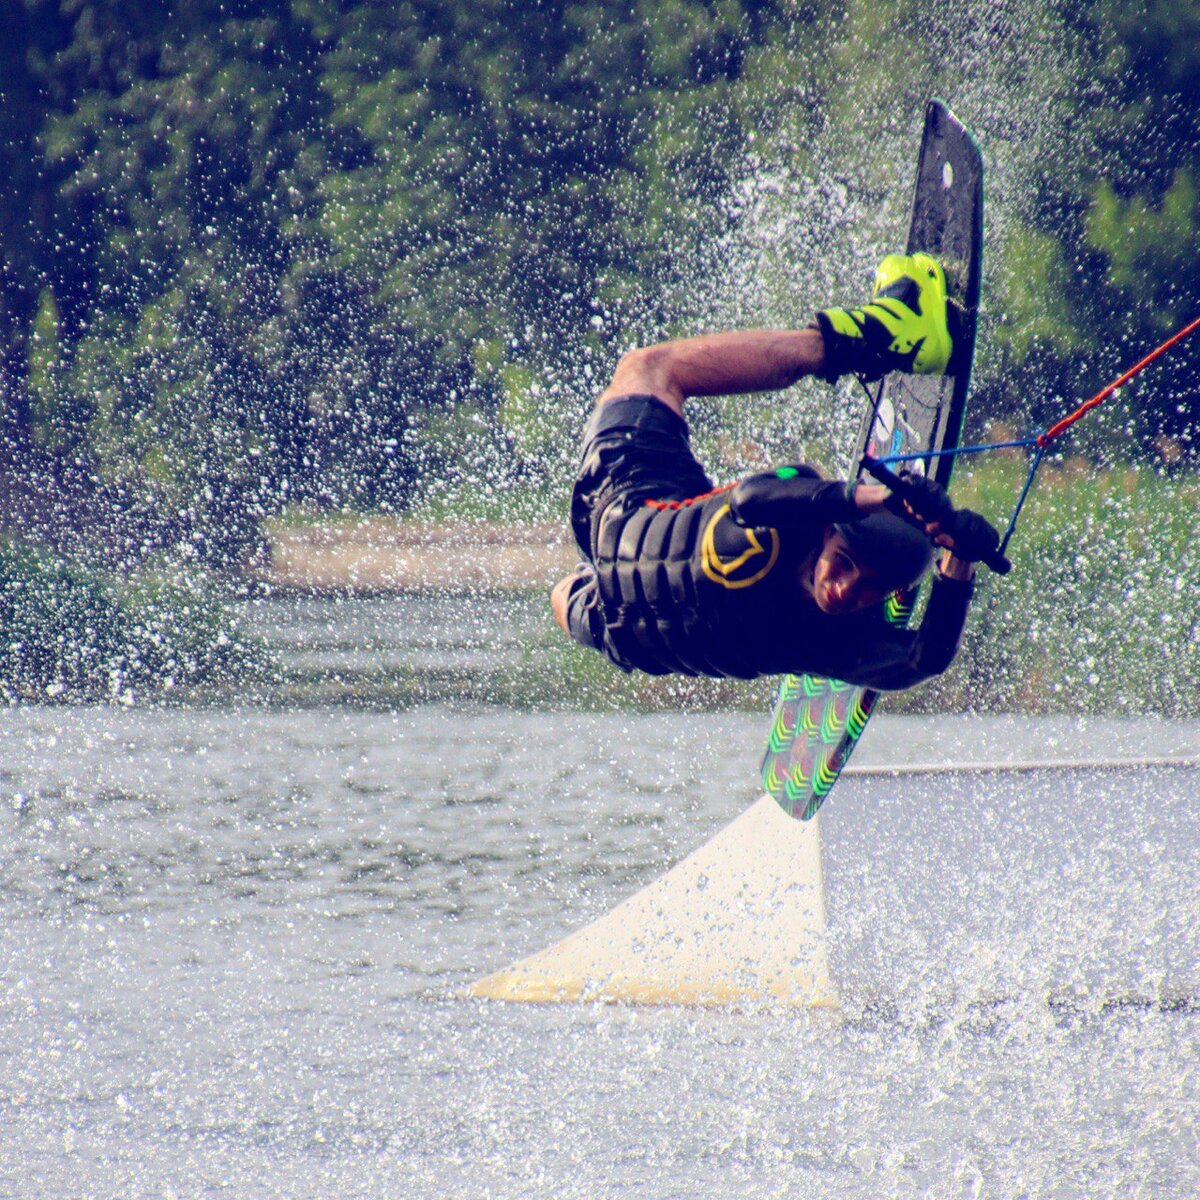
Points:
x=256, y=252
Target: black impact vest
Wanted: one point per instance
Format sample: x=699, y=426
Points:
x=711, y=586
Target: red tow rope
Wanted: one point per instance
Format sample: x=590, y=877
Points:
x=1044, y=439
x=1041, y=441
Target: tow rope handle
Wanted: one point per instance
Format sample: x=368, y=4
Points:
x=993, y=559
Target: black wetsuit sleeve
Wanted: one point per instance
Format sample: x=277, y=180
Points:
x=921, y=653
x=790, y=497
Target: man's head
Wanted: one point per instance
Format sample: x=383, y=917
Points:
x=862, y=562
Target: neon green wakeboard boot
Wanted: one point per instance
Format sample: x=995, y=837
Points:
x=905, y=327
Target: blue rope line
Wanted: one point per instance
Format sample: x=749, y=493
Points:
x=1018, y=444
x=1015, y=445
x=895, y=458
x=1012, y=524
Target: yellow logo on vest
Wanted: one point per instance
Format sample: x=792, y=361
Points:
x=744, y=569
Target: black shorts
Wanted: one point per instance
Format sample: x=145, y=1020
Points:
x=635, y=449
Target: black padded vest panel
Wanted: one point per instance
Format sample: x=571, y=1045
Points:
x=650, y=567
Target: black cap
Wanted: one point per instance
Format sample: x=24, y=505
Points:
x=898, y=552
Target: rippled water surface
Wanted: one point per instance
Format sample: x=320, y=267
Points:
x=232, y=944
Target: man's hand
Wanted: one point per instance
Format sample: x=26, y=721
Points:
x=869, y=497
x=968, y=536
x=922, y=502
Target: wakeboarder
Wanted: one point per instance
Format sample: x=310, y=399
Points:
x=783, y=571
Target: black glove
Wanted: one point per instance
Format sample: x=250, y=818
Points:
x=926, y=499
x=974, y=537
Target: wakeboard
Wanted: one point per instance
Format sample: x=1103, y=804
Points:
x=818, y=721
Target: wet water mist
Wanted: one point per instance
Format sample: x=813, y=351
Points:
x=233, y=944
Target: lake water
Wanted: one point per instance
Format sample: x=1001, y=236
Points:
x=233, y=944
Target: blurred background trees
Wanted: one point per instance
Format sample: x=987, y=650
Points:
x=262, y=253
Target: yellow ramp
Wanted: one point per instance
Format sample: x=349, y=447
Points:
x=741, y=920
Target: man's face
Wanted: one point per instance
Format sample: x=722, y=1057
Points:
x=842, y=584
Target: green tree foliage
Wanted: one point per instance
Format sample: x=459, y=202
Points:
x=1109, y=269
x=74, y=633
x=188, y=168
x=271, y=250
x=1144, y=220
x=507, y=171
x=280, y=249
x=24, y=199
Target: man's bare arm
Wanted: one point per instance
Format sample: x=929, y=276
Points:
x=718, y=364
x=752, y=360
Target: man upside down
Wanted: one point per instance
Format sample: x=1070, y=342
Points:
x=784, y=571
